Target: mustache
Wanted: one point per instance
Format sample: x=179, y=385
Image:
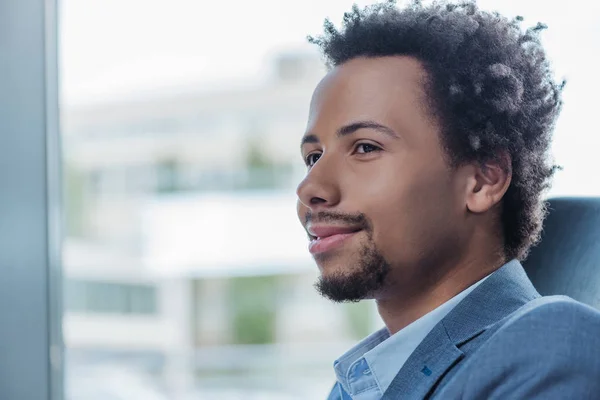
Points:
x=358, y=219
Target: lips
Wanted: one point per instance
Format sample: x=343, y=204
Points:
x=327, y=238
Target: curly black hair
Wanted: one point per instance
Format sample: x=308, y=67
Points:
x=489, y=84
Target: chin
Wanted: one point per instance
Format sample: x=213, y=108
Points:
x=333, y=265
x=356, y=277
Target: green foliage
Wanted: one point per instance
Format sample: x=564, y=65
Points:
x=359, y=318
x=167, y=170
x=253, y=304
x=264, y=171
x=74, y=201
x=256, y=157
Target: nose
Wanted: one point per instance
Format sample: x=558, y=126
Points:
x=319, y=189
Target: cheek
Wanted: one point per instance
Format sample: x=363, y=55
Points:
x=411, y=214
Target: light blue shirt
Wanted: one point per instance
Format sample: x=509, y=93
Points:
x=367, y=370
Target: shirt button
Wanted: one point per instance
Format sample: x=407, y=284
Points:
x=367, y=372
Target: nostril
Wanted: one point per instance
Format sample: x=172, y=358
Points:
x=317, y=200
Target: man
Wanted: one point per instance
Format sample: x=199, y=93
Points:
x=426, y=153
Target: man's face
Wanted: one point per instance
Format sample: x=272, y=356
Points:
x=379, y=201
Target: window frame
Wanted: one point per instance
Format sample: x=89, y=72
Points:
x=31, y=366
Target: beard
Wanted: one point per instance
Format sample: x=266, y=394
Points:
x=365, y=278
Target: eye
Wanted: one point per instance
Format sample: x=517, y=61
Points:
x=363, y=148
x=312, y=158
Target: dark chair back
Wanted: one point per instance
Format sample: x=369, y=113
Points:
x=567, y=260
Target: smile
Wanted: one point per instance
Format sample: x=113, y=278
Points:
x=324, y=239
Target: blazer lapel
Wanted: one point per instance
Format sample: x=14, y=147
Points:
x=424, y=367
x=505, y=291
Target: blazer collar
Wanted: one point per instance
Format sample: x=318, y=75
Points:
x=506, y=290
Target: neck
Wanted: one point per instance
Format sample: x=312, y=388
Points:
x=401, y=305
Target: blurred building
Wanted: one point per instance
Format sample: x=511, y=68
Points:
x=232, y=137
x=183, y=249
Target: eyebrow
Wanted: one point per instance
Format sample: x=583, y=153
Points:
x=352, y=128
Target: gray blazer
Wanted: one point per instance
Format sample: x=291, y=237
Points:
x=505, y=341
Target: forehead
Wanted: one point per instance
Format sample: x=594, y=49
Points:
x=386, y=89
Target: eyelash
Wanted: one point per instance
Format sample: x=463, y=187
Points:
x=374, y=149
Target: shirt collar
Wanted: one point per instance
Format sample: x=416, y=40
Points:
x=385, y=354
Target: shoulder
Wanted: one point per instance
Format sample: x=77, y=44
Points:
x=548, y=328
x=547, y=349
x=547, y=319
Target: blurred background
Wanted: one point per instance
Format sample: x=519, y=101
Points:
x=187, y=274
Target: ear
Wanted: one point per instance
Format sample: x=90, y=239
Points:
x=488, y=183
